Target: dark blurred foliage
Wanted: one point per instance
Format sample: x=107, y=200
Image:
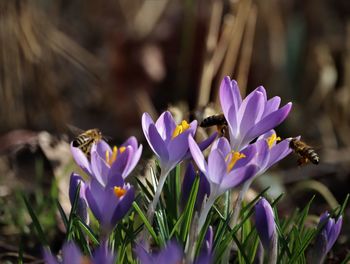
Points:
x=102, y=63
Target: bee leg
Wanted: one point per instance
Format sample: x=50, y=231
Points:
x=302, y=161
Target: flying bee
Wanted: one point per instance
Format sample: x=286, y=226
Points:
x=86, y=139
x=218, y=120
x=305, y=152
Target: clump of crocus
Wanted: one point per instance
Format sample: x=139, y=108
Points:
x=71, y=254
x=330, y=230
x=266, y=227
x=251, y=117
x=170, y=254
x=106, y=162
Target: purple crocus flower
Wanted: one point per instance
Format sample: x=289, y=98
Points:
x=170, y=254
x=72, y=254
x=203, y=189
x=265, y=223
x=249, y=118
x=166, y=139
x=75, y=181
x=105, y=162
x=225, y=169
x=327, y=237
x=109, y=203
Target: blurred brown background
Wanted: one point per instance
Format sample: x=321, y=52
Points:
x=102, y=63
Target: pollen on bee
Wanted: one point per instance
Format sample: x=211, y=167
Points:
x=118, y=191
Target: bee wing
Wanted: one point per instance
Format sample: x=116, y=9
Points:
x=75, y=130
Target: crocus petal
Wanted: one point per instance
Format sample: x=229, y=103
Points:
x=250, y=111
x=263, y=154
x=171, y=254
x=178, y=148
x=134, y=160
x=103, y=254
x=158, y=144
x=101, y=147
x=334, y=233
x=95, y=198
x=197, y=154
x=223, y=145
x=272, y=105
x=131, y=141
x=166, y=126
x=124, y=204
x=99, y=167
x=263, y=91
x=49, y=258
x=279, y=152
x=143, y=255
x=119, y=165
x=81, y=159
x=264, y=222
x=229, y=95
x=237, y=177
x=146, y=122
x=232, y=120
x=216, y=166
x=267, y=123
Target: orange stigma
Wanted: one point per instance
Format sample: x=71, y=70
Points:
x=233, y=156
x=112, y=158
x=271, y=140
x=118, y=191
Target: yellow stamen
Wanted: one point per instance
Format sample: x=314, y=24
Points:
x=111, y=159
x=118, y=191
x=234, y=156
x=272, y=140
x=180, y=128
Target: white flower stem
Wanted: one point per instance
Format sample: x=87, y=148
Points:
x=272, y=253
x=152, y=208
x=235, y=215
x=204, y=212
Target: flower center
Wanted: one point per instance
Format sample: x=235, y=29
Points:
x=118, y=191
x=112, y=158
x=233, y=157
x=271, y=140
x=180, y=128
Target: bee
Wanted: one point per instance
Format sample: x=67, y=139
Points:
x=306, y=152
x=217, y=120
x=86, y=139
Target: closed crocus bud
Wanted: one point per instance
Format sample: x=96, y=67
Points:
x=330, y=230
x=265, y=225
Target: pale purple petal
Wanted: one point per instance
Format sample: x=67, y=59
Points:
x=272, y=105
x=229, y=95
x=119, y=165
x=158, y=144
x=48, y=257
x=178, y=148
x=166, y=126
x=279, y=152
x=216, y=166
x=232, y=120
x=250, y=112
x=103, y=254
x=143, y=255
x=264, y=222
x=263, y=91
x=95, y=197
x=223, y=145
x=237, y=177
x=267, y=123
x=102, y=147
x=81, y=159
x=134, y=160
x=146, y=122
x=197, y=154
x=124, y=204
x=131, y=141
x=99, y=167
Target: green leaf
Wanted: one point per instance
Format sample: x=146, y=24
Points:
x=63, y=215
x=145, y=221
x=38, y=228
x=87, y=230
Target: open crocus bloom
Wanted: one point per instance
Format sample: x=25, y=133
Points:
x=225, y=169
x=109, y=203
x=105, y=162
x=249, y=118
x=166, y=139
